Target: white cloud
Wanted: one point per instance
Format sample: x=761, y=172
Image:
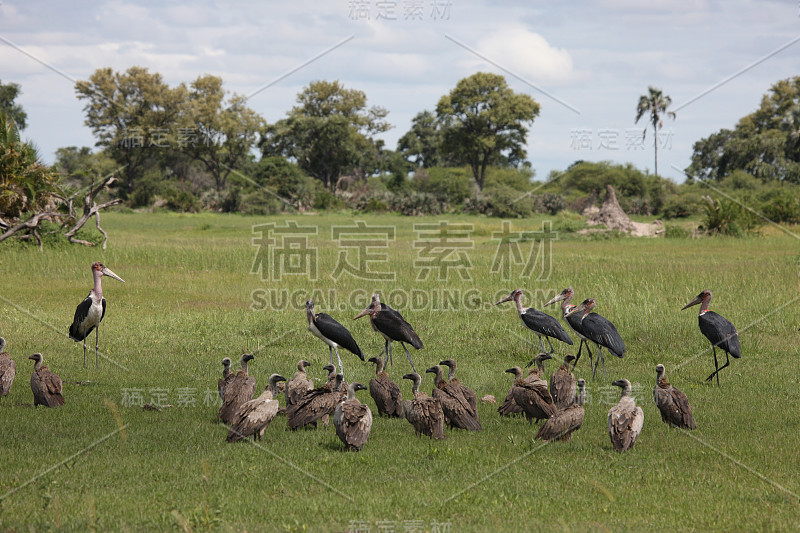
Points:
x=528, y=55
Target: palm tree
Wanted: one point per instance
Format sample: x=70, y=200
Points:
x=655, y=104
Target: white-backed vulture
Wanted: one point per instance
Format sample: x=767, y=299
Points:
x=386, y=393
x=255, y=415
x=625, y=419
x=457, y=411
x=240, y=389
x=531, y=393
x=509, y=406
x=468, y=393
x=45, y=385
x=298, y=385
x=315, y=404
x=562, y=384
x=561, y=425
x=353, y=420
x=227, y=377
x=8, y=369
x=673, y=404
x=423, y=412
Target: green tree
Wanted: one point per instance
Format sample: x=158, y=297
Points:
x=422, y=144
x=79, y=166
x=654, y=104
x=13, y=111
x=329, y=134
x=765, y=143
x=217, y=133
x=25, y=183
x=133, y=115
x=486, y=123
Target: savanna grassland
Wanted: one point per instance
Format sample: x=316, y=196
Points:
x=101, y=462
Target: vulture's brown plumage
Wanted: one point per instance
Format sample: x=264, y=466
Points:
x=241, y=389
x=673, y=404
x=562, y=384
x=423, y=412
x=8, y=369
x=625, y=419
x=353, y=420
x=45, y=385
x=255, y=415
x=531, y=393
x=457, y=411
x=315, y=404
x=509, y=406
x=386, y=393
x=227, y=377
x=561, y=425
x=298, y=385
x=468, y=393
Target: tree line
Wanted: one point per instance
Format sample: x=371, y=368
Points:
x=197, y=146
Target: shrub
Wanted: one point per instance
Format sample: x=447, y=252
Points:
x=261, y=202
x=672, y=231
x=451, y=185
x=549, y=203
x=728, y=217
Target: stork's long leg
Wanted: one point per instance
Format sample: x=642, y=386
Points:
x=599, y=358
x=96, y=344
x=551, y=346
x=716, y=366
x=409, y=357
x=541, y=341
x=84, y=352
x=341, y=370
x=330, y=352
x=716, y=372
x=389, y=352
x=575, y=363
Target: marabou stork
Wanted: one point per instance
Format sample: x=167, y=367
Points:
x=90, y=312
x=325, y=328
x=392, y=326
x=573, y=321
x=540, y=323
x=600, y=331
x=718, y=330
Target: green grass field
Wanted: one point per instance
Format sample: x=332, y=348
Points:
x=102, y=463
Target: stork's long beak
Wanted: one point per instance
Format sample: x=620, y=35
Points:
x=556, y=298
x=362, y=313
x=693, y=302
x=506, y=299
x=575, y=310
x=107, y=272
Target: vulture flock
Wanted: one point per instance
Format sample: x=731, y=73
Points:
x=558, y=404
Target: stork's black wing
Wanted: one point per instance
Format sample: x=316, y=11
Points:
x=391, y=323
x=574, y=322
x=721, y=332
x=336, y=332
x=81, y=313
x=600, y=331
x=545, y=324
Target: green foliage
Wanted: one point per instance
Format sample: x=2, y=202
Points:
x=285, y=179
x=12, y=110
x=329, y=134
x=765, y=143
x=549, y=203
x=654, y=105
x=637, y=192
x=486, y=123
x=422, y=144
x=673, y=231
x=451, y=185
x=517, y=178
x=25, y=184
x=729, y=217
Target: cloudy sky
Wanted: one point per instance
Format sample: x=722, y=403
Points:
x=586, y=63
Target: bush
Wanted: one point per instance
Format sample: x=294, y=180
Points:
x=181, y=200
x=505, y=202
x=672, y=231
x=550, y=203
x=451, y=185
x=261, y=202
x=727, y=217
x=782, y=209
x=323, y=199
x=417, y=203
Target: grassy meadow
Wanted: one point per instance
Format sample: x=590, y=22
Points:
x=101, y=462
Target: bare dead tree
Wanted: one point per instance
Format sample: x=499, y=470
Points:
x=70, y=221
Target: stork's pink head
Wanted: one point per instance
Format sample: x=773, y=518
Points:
x=516, y=293
x=105, y=271
x=582, y=310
